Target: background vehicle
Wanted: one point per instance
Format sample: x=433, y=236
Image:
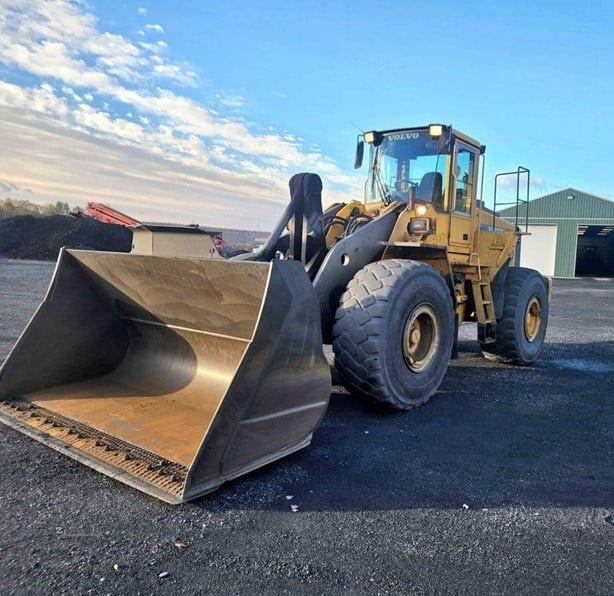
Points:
x=176, y=374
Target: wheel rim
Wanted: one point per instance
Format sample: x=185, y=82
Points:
x=421, y=337
x=532, y=318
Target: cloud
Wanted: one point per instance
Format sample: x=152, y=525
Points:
x=156, y=28
x=539, y=183
x=512, y=182
x=230, y=101
x=7, y=186
x=142, y=11
x=70, y=165
x=111, y=120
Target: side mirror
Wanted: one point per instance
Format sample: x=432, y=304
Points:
x=360, y=151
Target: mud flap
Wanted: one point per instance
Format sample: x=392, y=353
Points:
x=170, y=374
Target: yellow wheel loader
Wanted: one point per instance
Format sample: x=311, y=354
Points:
x=174, y=375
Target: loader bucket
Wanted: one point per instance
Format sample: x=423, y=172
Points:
x=170, y=374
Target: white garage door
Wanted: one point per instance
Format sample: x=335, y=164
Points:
x=538, y=249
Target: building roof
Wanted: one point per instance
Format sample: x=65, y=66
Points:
x=174, y=228
x=569, y=203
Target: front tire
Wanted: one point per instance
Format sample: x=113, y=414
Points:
x=394, y=333
x=522, y=328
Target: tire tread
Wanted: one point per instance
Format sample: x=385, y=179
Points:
x=359, y=324
x=507, y=344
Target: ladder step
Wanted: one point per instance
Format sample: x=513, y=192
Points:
x=484, y=307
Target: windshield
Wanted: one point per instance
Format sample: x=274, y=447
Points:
x=404, y=159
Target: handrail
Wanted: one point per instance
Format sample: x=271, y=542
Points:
x=518, y=172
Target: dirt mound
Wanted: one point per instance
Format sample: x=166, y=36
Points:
x=41, y=237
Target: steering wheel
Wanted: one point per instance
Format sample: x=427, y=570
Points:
x=401, y=195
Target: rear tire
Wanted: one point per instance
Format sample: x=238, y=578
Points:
x=522, y=328
x=394, y=333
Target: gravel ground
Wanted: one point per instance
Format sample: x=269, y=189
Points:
x=502, y=484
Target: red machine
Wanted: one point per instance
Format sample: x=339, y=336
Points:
x=106, y=214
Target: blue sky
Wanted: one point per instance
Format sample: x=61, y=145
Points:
x=199, y=112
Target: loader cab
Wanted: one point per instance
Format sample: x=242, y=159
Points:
x=433, y=169
x=406, y=165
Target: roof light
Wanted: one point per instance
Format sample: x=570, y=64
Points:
x=370, y=137
x=435, y=130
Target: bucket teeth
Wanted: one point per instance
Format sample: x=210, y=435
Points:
x=165, y=474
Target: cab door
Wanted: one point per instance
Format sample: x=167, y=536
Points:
x=463, y=194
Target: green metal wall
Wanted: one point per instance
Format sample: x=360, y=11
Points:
x=567, y=214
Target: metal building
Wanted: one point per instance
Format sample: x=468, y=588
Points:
x=174, y=240
x=571, y=234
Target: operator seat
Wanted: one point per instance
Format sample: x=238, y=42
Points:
x=430, y=189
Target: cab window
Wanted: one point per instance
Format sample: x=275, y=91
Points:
x=465, y=180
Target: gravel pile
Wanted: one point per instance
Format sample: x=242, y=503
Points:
x=41, y=237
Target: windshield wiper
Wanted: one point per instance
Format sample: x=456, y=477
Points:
x=382, y=190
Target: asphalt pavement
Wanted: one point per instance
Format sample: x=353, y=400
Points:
x=502, y=484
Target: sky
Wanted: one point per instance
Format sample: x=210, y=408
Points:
x=200, y=111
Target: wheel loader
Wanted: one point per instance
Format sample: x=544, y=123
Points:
x=174, y=375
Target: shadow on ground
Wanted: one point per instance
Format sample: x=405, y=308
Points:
x=494, y=435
